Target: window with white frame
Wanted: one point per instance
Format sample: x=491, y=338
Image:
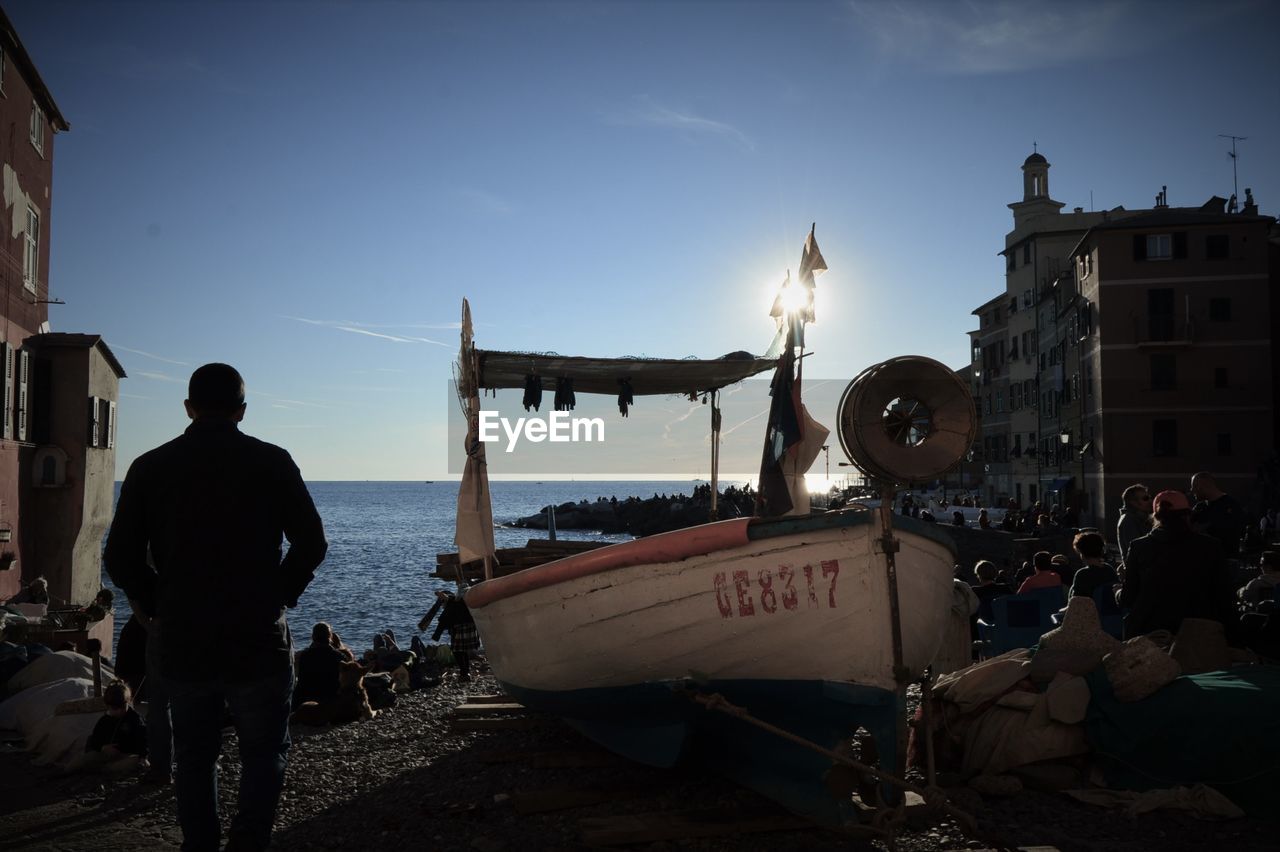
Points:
x=37, y=127
x=31, y=252
x=1159, y=246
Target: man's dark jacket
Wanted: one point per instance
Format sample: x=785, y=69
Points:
x=1172, y=574
x=212, y=506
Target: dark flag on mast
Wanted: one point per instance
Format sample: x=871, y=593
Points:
x=786, y=418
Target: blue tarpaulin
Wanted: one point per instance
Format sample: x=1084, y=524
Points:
x=1219, y=728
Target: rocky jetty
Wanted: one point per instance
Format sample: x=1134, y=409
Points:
x=640, y=517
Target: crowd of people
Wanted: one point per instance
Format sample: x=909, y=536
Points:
x=1176, y=560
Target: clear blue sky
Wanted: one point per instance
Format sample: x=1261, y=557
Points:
x=308, y=190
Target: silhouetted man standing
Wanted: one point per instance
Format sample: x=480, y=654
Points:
x=212, y=507
x=1218, y=514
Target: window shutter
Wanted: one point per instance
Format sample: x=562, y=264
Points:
x=1179, y=245
x=6, y=375
x=1139, y=247
x=91, y=439
x=111, y=425
x=24, y=372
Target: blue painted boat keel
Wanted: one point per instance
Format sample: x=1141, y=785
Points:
x=659, y=724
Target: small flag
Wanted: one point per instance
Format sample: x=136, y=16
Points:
x=811, y=263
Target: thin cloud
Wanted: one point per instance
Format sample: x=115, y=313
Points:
x=159, y=377
x=364, y=328
x=648, y=113
x=997, y=36
x=134, y=396
x=666, y=427
x=280, y=401
x=150, y=355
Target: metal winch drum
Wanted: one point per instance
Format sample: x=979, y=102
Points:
x=908, y=419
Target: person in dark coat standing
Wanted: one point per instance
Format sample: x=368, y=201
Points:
x=1174, y=573
x=212, y=509
x=455, y=617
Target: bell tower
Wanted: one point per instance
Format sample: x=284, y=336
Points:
x=1035, y=177
x=1035, y=192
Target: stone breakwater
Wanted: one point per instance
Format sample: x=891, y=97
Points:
x=407, y=780
x=640, y=517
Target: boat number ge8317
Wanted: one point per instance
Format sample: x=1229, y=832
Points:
x=774, y=590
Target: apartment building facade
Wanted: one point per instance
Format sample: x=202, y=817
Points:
x=1036, y=253
x=1128, y=346
x=58, y=392
x=1175, y=319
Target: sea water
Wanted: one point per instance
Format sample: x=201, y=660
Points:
x=383, y=541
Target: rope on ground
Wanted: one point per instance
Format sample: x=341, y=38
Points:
x=968, y=824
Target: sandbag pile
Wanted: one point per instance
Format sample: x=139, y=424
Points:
x=1024, y=708
x=34, y=694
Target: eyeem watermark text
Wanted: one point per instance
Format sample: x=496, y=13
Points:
x=559, y=427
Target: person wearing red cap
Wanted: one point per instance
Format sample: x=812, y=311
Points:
x=1174, y=573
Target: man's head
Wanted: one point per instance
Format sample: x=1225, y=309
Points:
x=1269, y=562
x=1172, y=507
x=1204, y=486
x=216, y=390
x=1043, y=560
x=1137, y=498
x=321, y=633
x=1089, y=545
x=986, y=571
x=116, y=697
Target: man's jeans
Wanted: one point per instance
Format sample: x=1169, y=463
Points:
x=260, y=712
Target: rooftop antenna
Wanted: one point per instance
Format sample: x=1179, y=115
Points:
x=1235, y=184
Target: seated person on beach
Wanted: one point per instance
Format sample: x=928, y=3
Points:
x=1174, y=573
x=341, y=647
x=1062, y=565
x=101, y=605
x=1263, y=587
x=987, y=588
x=386, y=654
x=119, y=740
x=1094, y=572
x=35, y=592
x=318, y=666
x=1045, y=576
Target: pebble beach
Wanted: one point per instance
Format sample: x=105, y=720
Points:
x=409, y=780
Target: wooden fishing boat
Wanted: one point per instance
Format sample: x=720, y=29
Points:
x=812, y=623
x=785, y=617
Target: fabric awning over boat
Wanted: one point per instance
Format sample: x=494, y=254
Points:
x=603, y=375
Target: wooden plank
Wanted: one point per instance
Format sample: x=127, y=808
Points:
x=488, y=709
x=624, y=829
x=490, y=698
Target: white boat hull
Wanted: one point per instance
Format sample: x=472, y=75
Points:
x=811, y=605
